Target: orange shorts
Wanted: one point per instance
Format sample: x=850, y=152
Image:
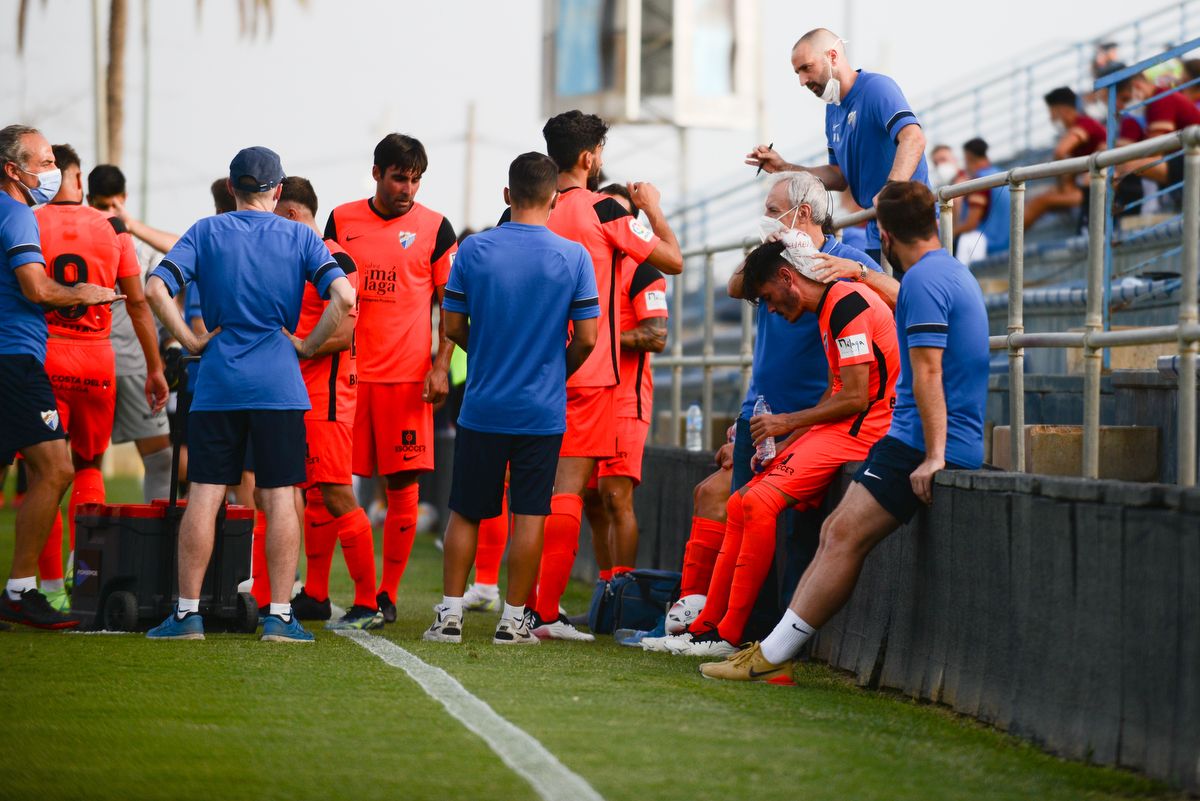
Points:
x=631, y=443
x=393, y=429
x=330, y=452
x=83, y=375
x=807, y=467
x=591, y=423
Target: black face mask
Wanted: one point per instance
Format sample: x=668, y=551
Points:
x=890, y=258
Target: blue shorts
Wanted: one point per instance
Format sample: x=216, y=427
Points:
x=219, y=442
x=886, y=475
x=481, y=460
x=30, y=414
x=743, y=452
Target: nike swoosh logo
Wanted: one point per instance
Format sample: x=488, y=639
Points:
x=319, y=525
x=868, y=473
x=405, y=528
x=409, y=458
x=754, y=674
x=356, y=236
x=797, y=628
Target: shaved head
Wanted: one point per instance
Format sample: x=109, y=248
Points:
x=819, y=56
x=821, y=39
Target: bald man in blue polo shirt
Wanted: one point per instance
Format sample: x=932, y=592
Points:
x=873, y=136
x=251, y=267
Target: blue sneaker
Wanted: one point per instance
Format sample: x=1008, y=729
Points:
x=190, y=628
x=276, y=629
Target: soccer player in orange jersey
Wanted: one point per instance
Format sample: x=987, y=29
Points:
x=403, y=251
x=609, y=499
x=331, y=512
x=84, y=245
x=859, y=335
x=610, y=234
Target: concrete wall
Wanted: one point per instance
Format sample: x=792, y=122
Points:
x=1064, y=611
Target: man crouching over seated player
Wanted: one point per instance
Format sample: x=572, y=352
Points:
x=859, y=336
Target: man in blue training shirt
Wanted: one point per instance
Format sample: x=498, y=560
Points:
x=29, y=423
x=873, y=136
x=250, y=266
x=512, y=292
x=942, y=329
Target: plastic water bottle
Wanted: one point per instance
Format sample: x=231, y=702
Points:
x=766, y=448
x=695, y=428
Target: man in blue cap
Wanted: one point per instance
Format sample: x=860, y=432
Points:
x=251, y=267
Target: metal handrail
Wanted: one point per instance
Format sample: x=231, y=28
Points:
x=1093, y=339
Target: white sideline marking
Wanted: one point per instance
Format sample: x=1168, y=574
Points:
x=527, y=757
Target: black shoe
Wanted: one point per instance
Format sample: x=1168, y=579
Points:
x=387, y=607
x=306, y=607
x=34, y=610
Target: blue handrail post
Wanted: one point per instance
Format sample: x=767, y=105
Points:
x=1111, y=131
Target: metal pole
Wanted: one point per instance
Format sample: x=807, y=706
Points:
x=144, y=199
x=1016, y=325
x=706, y=396
x=1093, y=364
x=99, y=82
x=677, y=290
x=1188, y=316
x=946, y=224
x=469, y=166
x=1106, y=288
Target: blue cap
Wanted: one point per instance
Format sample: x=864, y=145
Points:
x=255, y=169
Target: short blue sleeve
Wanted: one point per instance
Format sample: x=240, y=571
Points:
x=454, y=298
x=890, y=107
x=178, y=268
x=585, y=301
x=320, y=268
x=20, y=239
x=926, y=313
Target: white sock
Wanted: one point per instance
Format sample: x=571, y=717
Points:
x=452, y=606
x=185, y=605
x=16, y=586
x=282, y=610
x=513, y=613
x=785, y=641
x=487, y=590
x=53, y=585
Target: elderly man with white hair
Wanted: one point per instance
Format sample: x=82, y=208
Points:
x=872, y=134
x=791, y=370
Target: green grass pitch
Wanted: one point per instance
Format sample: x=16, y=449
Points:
x=118, y=717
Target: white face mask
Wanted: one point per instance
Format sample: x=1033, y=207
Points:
x=946, y=172
x=833, y=88
x=768, y=225
x=48, y=184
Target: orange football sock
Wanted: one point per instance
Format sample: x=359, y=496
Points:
x=558, y=553
x=320, y=538
x=88, y=488
x=718, y=586
x=50, y=562
x=619, y=569
x=261, y=585
x=399, y=531
x=493, y=537
x=358, y=549
x=761, y=507
x=700, y=555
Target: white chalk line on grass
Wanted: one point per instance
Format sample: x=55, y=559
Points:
x=527, y=757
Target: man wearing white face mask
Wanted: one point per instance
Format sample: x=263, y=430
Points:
x=872, y=133
x=30, y=424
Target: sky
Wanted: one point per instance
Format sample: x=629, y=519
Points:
x=334, y=76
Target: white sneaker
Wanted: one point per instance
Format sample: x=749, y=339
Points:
x=562, y=629
x=476, y=600
x=677, y=642
x=446, y=628
x=713, y=648
x=515, y=632
x=661, y=645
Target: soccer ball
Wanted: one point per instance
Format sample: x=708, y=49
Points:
x=683, y=612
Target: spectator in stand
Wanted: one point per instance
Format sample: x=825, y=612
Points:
x=945, y=171
x=1191, y=72
x=984, y=231
x=1169, y=113
x=872, y=132
x=1079, y=135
